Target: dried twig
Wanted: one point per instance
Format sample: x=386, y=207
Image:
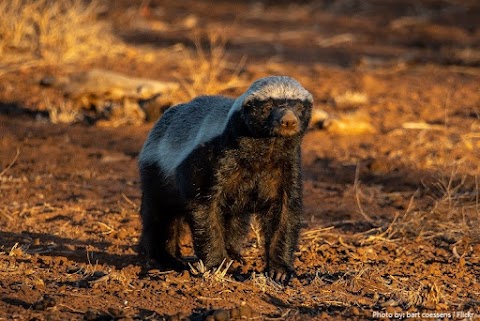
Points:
x=356, y=186
x=11, y=163
x=129, y=201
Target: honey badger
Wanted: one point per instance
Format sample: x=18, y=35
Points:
x=215, y=161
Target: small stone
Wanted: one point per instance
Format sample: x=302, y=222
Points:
x=49, y=301
x=38, y=283
x=116, y=313
x=173, y=317
x=245, y=311
x=98, y=274
x=122, y=234
x=185, y=275
x=235, y=313
x=390, y=309
x=84, y=284
x=355, y=311
x=363, y=301
x=74, y=269
x=29, y=272
x=389, y=303
x=45, y=302
x=69, y=247
x=48, y=81
x=90, y=315
x=180, y=316
x=221, y=315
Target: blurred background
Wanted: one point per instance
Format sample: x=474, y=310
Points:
x=211, y=47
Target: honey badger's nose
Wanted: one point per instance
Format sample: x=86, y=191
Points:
x=289, y=120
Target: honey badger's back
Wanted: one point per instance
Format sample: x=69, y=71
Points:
x=182, y=128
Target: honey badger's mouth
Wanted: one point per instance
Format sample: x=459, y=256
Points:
x=285, y=132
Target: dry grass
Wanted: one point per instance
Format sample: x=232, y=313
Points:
x=385, y=290
x=18, y=250
x=218, y=274
x=53, y=31
x=256, y=229
x=443, y=217
x=7, y=181
x=454, y=213
x=2, y=173
x=207, y=71
x=265, y=284
x=356, y=123
x=63, y=113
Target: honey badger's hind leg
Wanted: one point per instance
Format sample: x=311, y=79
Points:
x=162, y=216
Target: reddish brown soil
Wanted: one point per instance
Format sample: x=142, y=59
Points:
x=391, y=214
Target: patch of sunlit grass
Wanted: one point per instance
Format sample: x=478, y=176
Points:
x=207, y=69
x=454, y=213
x=53, y=31
x=64, y=113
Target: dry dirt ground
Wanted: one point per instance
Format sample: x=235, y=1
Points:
x=391, y=226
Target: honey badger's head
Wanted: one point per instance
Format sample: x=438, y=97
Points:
x=276, y=106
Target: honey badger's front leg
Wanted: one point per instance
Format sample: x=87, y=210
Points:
x=281, y=227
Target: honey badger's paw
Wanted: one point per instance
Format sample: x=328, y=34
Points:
x=235, y=256
x=280, y=275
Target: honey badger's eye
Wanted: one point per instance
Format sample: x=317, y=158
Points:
x=268, y=106
x=298, y=106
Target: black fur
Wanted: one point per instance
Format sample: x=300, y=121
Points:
x=254, y=166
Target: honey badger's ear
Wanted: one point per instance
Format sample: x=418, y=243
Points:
x=247, y=104
x=250, y=105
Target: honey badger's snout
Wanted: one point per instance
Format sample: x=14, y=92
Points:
x=286, y=123
x=289, y=120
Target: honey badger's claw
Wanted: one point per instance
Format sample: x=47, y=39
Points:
x=280, y=276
